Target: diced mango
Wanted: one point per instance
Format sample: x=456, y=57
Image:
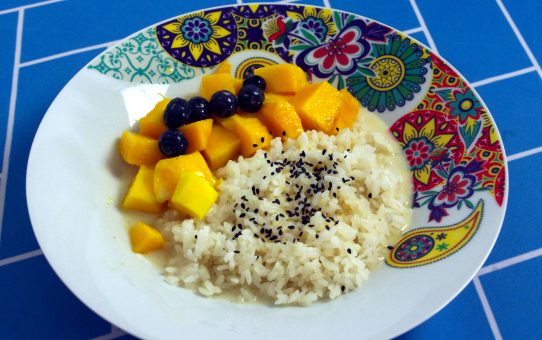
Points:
x=145, y=238
x=212, y=83
x=152, y=125
x=227, y=123
x=193, y=195
x=224, y=67
x=137, y=149
x=281, y=118
x=348, y=111
x=274, y=96
x=197, y=134
x=252, y=133
x=318, y=106
x=282, y=78
x=140, y=195
x=168, y=170
x=237, y=84
x=223, y=145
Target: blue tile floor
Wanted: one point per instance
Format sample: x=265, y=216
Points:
x=495, y=44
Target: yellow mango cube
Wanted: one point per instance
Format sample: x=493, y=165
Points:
x=224, y=67
x=197, y=134
x=228, y=123
x=212, y=83
x=152, y=125
x=237, y=84
x=193, y=195
x=252, y=133
x=348, y=112
x=167, y=172
x=137, y=149
x=282, y=78
x=145, y=238
x=281, y=118
x=223, y=145
x=318, y=106
x=140, y=195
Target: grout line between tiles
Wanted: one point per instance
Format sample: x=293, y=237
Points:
x=11, y=115
x=413, y=30
x=68, y=53
x=510, y=261
x=20, y=257
x=487, y=308
x=524, y=154
x=423, y=26
x=37, y=4
x=520, y=37
x=326, y=3
x=508, y=75
x=113, y=334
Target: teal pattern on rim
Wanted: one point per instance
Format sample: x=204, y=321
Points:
x=140, y=59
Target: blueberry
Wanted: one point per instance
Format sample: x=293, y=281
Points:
x=251, y=98
x=199, y=109
x=255, y=80
x=172, y=143
x=223, y=104
x=176, y=113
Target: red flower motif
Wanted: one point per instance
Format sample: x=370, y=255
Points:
x=280, y=29
x=459, y=186
x=338, y=51
x=337, y=55
x=417, y=152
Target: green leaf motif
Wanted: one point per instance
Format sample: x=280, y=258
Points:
x=338, y=20
x=299, y=47
x=367, y=72
x=469, y=204
x=310, y=37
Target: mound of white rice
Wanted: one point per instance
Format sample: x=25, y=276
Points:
x=302, y=221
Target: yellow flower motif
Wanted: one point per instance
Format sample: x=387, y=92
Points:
x=414, y=141
x=318, y=21
x=198, y=31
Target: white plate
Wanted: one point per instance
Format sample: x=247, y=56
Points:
x=75, y=180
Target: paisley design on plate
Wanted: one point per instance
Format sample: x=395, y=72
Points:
x=430, y=244
x=140, y=60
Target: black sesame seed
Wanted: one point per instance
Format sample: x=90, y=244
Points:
x=242, y=215
x=337, y=129
x=262, y=139
x=327, y=228
x=349, y=251
x=291, y=227
x=233, y=228
x=256, y=210
x=334, y=194
x=284, y=133
x=196, y=237
x=236, y=251
x=343, y=288
x=254, y=145
x=390, y=247
x=370, y=195
x=324, y=152
x=317, y=236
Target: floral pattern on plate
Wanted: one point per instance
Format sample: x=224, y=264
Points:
x=449, y=139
